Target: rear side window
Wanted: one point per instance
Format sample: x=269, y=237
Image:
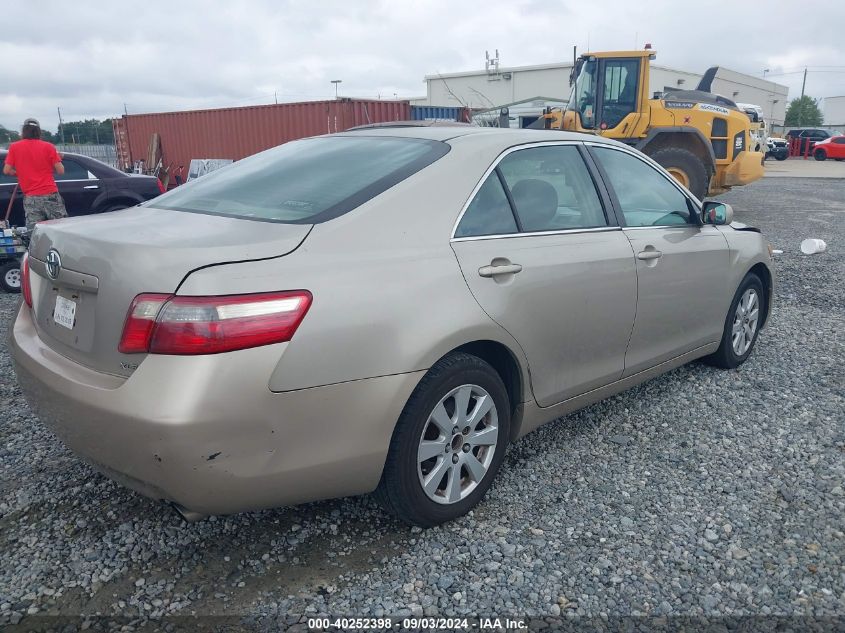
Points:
x=307, y=181
x=73, y=171
x=549, y=187
x=552, y=189
x=6, y=180
x=489, y=213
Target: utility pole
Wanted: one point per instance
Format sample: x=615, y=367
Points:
x=61, y=125
x=801, y=102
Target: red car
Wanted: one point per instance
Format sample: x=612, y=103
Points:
x=833, y=147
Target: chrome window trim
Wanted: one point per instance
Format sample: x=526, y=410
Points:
x=659, y=226
x=497, y=236
x=490, y=170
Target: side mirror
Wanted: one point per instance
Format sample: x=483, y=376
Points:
x=713, y=212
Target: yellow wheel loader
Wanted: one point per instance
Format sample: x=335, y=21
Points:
x=702, y=139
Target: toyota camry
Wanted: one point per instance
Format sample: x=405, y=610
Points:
x=377, y=310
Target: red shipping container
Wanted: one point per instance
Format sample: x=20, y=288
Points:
x=240, y=132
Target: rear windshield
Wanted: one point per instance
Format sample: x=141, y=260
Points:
x=306, y=181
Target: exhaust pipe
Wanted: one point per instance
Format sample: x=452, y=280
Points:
x=189, y=516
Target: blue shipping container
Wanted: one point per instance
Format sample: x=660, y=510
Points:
x=435, y=113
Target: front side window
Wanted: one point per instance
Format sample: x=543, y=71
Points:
x=646, y=197
x=306, y=181
x=552, y=189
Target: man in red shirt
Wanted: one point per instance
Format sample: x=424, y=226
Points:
x=33, y=161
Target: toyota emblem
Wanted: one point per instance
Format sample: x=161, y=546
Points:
x=54, y=264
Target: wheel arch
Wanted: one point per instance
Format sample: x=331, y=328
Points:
x=762, y=271
x=506, y=364
x=116, y=200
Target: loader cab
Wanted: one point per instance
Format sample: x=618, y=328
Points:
x=608, y=93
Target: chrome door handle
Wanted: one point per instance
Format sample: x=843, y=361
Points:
x=502, y=269
x=649, y=255
x=91, y=187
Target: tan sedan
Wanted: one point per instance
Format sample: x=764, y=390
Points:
x=384, y=309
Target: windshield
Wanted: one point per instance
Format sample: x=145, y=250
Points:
x=306, y=181
x=583, y=97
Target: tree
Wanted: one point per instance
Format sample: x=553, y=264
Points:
x=89, y=131
x=803, y=111
x=8, y=136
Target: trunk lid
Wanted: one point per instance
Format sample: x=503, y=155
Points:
x=106, y=260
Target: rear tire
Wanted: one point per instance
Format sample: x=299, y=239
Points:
x=10, y=277
x=820, y=154
x=742, y=324
x=684, y=165
x=781, y=157
x=434, y=473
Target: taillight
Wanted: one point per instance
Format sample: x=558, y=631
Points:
x=26, y=289
x=165, y=324
x=160, y=186
x=140, y=322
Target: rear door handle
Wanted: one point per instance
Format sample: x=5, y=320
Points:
x=649, y=255
x=91, y=187
x=501, y=269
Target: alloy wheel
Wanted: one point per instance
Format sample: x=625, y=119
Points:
x=746, y=317
x=457, y=444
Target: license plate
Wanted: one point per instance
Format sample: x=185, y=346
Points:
x=65, y=312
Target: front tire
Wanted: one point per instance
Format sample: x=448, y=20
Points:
x=448, y=444
x=742, y=324
x=685, y=167
x=10, y=277
x=819, y=154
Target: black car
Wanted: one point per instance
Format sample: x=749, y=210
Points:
x=808, y=136
x=87, y=186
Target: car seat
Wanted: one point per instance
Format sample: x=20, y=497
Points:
x=536, y=204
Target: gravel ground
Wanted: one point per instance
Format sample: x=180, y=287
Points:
x=703, y=492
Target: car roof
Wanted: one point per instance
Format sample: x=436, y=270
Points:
x=5, y=150
x=504, y=136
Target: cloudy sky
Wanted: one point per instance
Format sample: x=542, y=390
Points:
x=91, y=58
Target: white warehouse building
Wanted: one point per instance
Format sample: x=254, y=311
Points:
x=548, y=84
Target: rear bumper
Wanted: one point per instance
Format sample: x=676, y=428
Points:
x=747, y=168
x=207, y=433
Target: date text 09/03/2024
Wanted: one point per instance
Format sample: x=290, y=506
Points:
x=426, y=623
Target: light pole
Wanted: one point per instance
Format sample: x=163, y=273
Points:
x=336, y=82
x=765, y=70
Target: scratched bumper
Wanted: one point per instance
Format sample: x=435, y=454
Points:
x=202, y=432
